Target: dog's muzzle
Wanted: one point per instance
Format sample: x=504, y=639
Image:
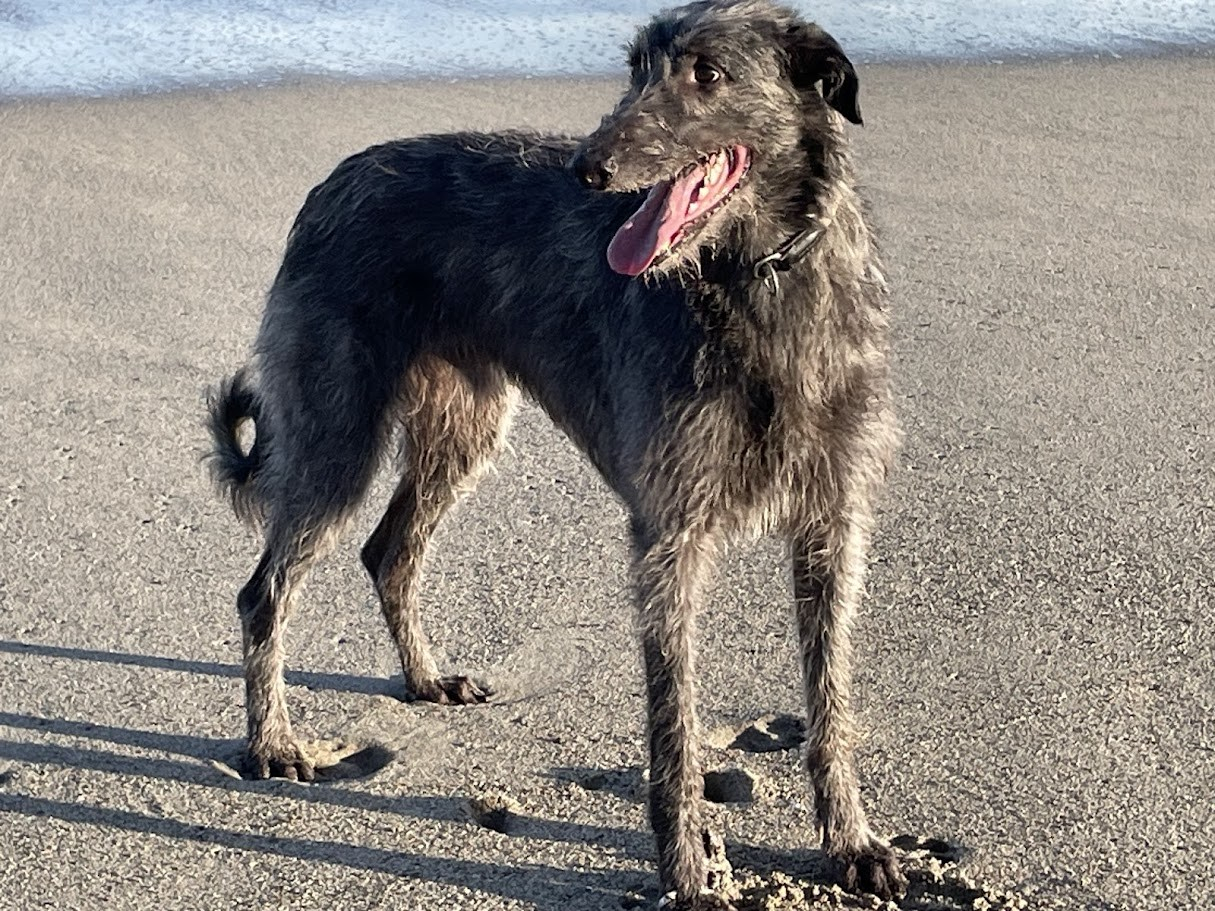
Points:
x=593, y=169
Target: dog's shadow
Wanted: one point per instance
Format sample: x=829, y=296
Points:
x=211, y=762
x=766, y=879
x=762, y=872
x=340, y=683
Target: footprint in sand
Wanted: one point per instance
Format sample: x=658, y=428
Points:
x=628, y=783
x=731, y=785
x=726, y=785
x=494, y=811
x=336, y=760
x=768, y=734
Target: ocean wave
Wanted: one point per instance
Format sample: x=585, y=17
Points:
x=83, y=47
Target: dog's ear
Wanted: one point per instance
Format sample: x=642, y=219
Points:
x=814, y=57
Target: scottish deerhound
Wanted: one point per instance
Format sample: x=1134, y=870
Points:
x=692, y=294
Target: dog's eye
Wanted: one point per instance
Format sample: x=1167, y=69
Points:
x=705, y=73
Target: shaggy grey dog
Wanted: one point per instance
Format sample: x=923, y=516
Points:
x=692, y=293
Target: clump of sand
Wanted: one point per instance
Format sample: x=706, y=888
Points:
x=935, y=883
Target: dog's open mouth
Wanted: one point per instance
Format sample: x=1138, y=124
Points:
x=672, y=206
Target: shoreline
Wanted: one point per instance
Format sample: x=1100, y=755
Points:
x=1151, y=51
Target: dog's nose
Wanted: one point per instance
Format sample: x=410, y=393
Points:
x=593, y=171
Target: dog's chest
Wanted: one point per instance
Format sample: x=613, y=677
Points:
x=781, y=450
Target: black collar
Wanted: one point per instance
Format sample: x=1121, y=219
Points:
x=787, y=254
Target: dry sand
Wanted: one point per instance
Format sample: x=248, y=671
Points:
x=1037, y=657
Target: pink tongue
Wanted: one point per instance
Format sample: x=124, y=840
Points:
x=650, y=229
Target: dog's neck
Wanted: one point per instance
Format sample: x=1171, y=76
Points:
x=788, y=254
x=771, y=300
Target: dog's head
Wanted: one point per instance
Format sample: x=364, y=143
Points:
x=726, y=97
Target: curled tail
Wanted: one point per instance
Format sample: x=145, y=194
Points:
x=233, y=469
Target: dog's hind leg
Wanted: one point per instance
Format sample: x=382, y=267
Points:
x=828, y=571
x=321, y=429
x=670, y=571
x=263, y=604
x=293, y=544
x=455, y=419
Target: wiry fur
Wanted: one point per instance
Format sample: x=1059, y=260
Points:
x=229, y=406
x=426, y=279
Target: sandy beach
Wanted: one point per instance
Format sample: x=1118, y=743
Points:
x=1036, y=659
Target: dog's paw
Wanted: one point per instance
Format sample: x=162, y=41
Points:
x=873, y=869
x=451, y=691
x=705, y=901
x=284, y=760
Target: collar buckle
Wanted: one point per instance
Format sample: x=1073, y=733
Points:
x=783, y=258
x=766, y=269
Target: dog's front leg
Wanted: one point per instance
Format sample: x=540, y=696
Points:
x=828, y=575
x=669, y=575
